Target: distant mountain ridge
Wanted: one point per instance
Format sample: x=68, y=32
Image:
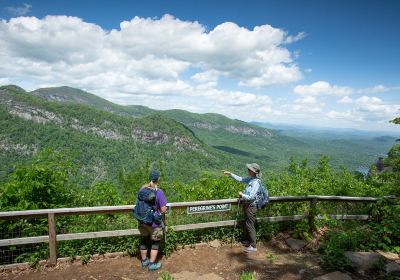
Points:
x=329, y=130
x=104, y=143
x=73, y=95
x=108, y=137
x=209, y=121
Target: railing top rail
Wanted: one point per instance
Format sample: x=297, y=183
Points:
x=127, y=208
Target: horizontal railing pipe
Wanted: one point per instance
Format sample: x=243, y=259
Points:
x=43, y=213
x=51, y=215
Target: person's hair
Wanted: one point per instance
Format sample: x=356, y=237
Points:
x=248, y=169
x=154, y=176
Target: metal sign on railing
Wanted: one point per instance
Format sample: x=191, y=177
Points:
x=209, y=208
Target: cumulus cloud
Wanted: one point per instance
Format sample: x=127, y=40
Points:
x=19, y=11
x=310, y=100
x=346, y=115
x=345, y=100
x=303, y=107
x=206, y=78
x=377, y=89
x=149, y=48
x=325, y=88
x=4, y=81
x=291, y=39
x=322, y=88
x=369, y=109
x=148, y=57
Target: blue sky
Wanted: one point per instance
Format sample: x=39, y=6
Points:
x=324, y=63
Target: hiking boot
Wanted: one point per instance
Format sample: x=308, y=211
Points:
x=145, y=263
x=154, y=266
x=250, y=249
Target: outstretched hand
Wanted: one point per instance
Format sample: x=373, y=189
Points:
x=227, y=173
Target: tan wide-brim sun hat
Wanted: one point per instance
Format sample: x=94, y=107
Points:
x=255, y=168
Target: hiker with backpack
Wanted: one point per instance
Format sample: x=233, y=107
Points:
x=151, y=205
x=252, y=198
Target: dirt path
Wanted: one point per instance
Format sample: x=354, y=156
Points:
x=204, y=263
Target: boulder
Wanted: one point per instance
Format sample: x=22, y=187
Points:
x=362, y=261
x=215, y=243
x=295, y=244
x=337, y=275
x=388, y=255
x=183, y=275
x=392, y=268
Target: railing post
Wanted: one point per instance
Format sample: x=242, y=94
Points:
x=52, y=239
x=312, y=214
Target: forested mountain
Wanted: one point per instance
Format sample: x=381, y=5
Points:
x=101, y=143
x=105, y=138
x=353, y=149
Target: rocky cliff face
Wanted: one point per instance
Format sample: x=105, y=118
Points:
x=42, y=116
x=34, y=114
x=18, y=148
x=157, y=130
x=180, y=143
x=236, y=129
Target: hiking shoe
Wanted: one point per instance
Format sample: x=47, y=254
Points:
x=250, y=249
x=145, y=263
x=154, y=266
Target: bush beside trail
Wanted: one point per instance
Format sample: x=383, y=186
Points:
x=49, y=182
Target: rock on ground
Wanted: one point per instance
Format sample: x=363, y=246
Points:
x=337, y=275
x=215, y=244
x=295, y=244
x=362, y=260
x=184, y=275
x=388, y=255
x=392, y=268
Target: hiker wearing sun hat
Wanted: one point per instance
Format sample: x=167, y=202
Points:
x=249, y=200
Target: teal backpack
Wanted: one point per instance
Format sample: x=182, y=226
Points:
x=262, y=196
x=145, y=208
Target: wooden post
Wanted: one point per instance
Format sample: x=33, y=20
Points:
x=52, y=239
x=312, y=214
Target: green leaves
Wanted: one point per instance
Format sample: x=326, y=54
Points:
x=43, y=184
x=396, y=121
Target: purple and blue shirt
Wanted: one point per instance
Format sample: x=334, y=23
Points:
x=161, y=201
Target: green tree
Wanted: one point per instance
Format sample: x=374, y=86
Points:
x=43, y=184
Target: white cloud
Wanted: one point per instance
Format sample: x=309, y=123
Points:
x=65, y=49
x=310, y=100
x=345, y=100
x=20, y=11
x=4, y=81
x=291, y=39
x=303, y=107
x=147, y=59
x=325, y=88
x=377, y=89
x=206, y=78
x=368, y=109
x=346, y=115
x=322, y=88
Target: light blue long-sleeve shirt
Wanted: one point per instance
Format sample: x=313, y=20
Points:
x=252, y=187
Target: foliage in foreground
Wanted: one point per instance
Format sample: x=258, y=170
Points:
x=48, y=183
x=247, y=276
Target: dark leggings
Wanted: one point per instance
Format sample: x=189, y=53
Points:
x=250, y=219
x=146, y=241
